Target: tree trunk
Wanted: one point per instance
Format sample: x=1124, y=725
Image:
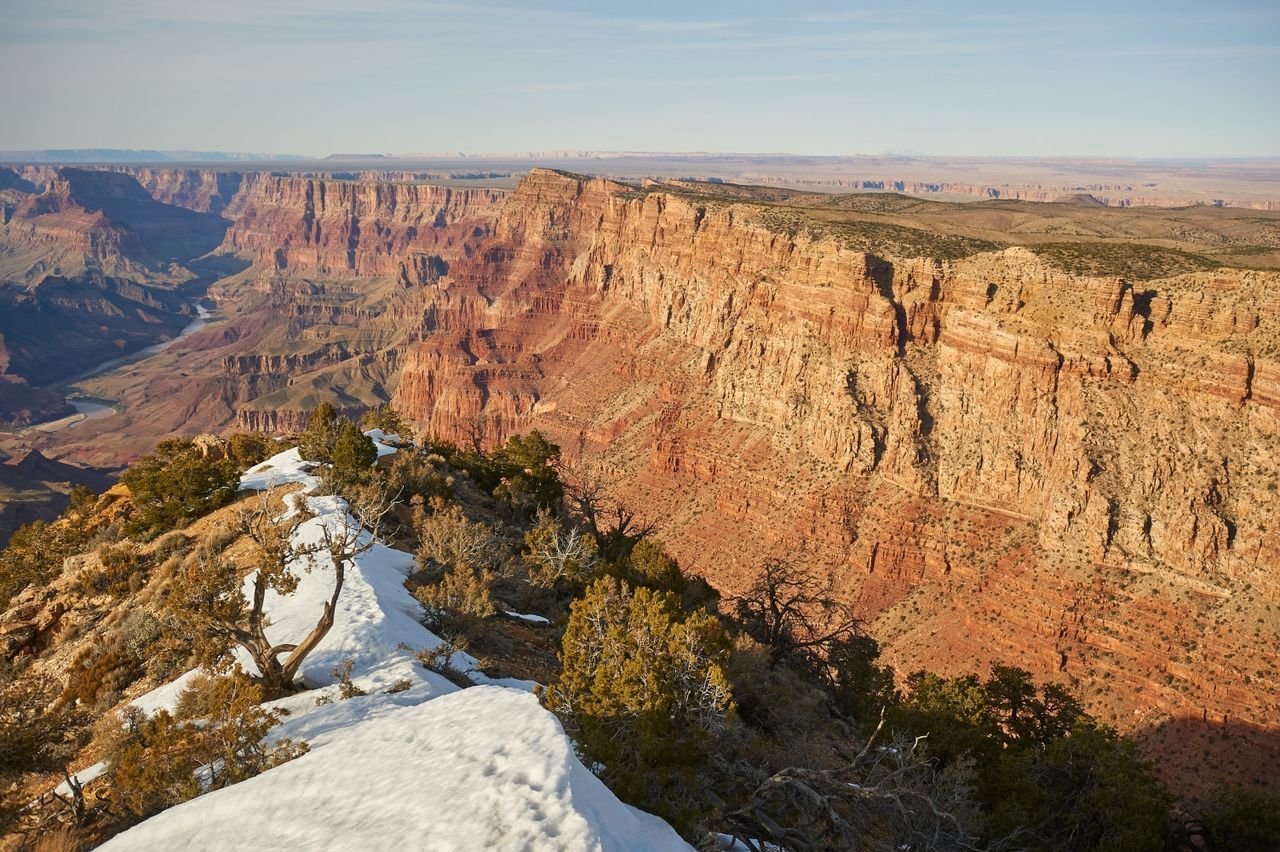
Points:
x=290, y=668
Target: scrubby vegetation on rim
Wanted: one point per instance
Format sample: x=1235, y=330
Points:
x=766, y=716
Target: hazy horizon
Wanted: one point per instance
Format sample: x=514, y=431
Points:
x=571, y=154
x=1146, y=81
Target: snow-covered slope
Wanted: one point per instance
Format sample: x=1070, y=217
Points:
x=483, y=768
x=428, y=767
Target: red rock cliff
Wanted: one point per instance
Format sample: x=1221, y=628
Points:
x=332, y=227
x=1003, y=462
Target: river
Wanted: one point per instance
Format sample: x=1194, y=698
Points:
x=93, y=409
x=201, y=320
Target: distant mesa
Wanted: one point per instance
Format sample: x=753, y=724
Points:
x=1079, y=199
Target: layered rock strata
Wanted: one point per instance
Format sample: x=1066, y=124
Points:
x=1000, y=461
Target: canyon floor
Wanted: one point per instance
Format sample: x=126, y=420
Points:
x=1044, y=434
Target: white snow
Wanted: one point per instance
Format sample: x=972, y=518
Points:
x=281, y=468
x=387, y=444
x=164, y=697
x=527, y=616
x=428, y=767
x=84, y=776
x=485, y=768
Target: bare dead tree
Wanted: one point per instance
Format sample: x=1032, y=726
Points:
x=887, y=798
x=74, y=800
x=585, y=496
x=474, y=431
x=611, y=523
x=209, y=598
x=794, y=611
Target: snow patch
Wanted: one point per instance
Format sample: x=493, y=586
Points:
x=164, y=697
x=84, y=776
x=429, y=766
x=527, y=616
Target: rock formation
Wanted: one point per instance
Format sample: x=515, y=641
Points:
x=1001, y=461
x=351, y=228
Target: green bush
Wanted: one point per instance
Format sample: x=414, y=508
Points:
x=36, y=551
x=644, y=692
x=175, y=484
x=528, y=479
x=521, y=473
x=121, y=569
x=1239, y=820
x=163, y=761
x=456, y=603
x=414, y=474
x=448, y=539
x=321, y=432
x=248, y=448
x=387, y=419
x=34, y=555
x=35, y=736
x=1049, y=776
x=353, y=453
x=648, y=564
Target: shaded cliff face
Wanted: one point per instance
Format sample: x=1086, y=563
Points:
x=1001, y=461
x=102, y=222
x=339, y=281
x=90, y=269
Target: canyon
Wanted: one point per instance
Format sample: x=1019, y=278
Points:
x=1038, y=434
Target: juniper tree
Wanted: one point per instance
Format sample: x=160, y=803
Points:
x=448, y=539
x=387, y=419
x=644, y=692
x=175, y=484
x=209, y=601
x=353, y=452
x=248, y=448
x=217, y=737
x=322, y=428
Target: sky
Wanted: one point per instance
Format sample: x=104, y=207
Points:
x=315, y=77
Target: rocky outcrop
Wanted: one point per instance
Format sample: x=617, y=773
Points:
x=285, y=365
x=1001, y=461
x=283, y=421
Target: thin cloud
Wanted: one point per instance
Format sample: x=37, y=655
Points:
x=606, y=83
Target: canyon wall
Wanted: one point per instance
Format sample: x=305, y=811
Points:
x=352, y=228
x=201, y=190
x=1000, y=461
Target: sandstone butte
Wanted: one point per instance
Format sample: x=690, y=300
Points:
x=998, y=460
